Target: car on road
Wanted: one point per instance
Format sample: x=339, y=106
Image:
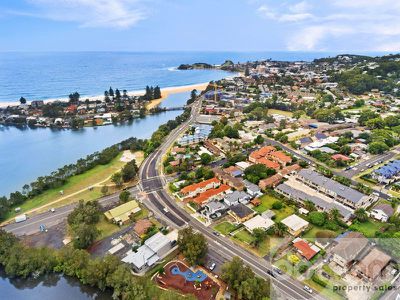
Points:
x=308, y=289
x=216, y=233
x=212, y=266
x=52, y=210
x=279, y=271
x=326, y=275
x=165, y=209
x=269, y=272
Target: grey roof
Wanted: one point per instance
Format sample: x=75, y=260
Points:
x=215, y=205
x=251, y=186
x=339, y=189
x=144, y=255
x=236, y=196
x=242, y=210
x=386, y=208
x=351, y=246
x=326, y=206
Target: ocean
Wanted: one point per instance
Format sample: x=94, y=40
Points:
x=48, y=75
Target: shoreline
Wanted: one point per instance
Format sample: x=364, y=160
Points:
x=165, y=92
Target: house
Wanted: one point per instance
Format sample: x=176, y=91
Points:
x=233, y=171
x=387, y=173
x=241, y=213
x=341, y=157
x=153, y=249
x=141, y=226
x=209, y=195
x=214, y=207
x=295, y=224
x=258, y=222
x=268, y=214
x=304, y=141
x=280, y=157
x=242, y=165
x=260, y=153
x=371, y=266
x=234, y=182
x=120, y=214
x=290, y=170
x=348, y=248
x=382, y=212
x=306, y=249
x=236, y=197
x=272, y=181
x=196, y=188
x=252, y=189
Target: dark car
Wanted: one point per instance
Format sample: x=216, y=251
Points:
x=269, y=272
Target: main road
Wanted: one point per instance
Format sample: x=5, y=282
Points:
x=152, y=183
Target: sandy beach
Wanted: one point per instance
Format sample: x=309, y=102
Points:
x=165, y=92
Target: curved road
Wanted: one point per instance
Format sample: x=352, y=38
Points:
x=152, y=183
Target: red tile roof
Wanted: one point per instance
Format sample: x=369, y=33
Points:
x=279, y=155
x=262, y=152
x=268, y=163
x=305, y=249
x=203, y=197
x=195, y=186
x=340, y=157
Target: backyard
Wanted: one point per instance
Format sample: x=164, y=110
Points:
x=225, y=227
x=266, y=203
x=367, y=228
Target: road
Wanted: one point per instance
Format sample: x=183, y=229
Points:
x=152, y=183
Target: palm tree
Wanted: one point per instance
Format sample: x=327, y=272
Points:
x=280, y=229
x=334, y=214
x=361, y=215
x=310, y=206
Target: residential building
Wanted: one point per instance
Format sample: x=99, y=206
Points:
x=234, y=182
x=209, y=195
x=241, y=213
x=295, y=224
x=197, y=188
x=120, y=214
x=236, y=197
x=382, y=212
x=272, y=181
x=153, y=249
x=372, y=265
x=252, y=189
x=387, y=173
x=348, y=248
x=258, y=222
x=306, y=249
x=341, y=193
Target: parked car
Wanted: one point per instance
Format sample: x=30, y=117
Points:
x=212, y=266
x=326, y=275
x=308, y=289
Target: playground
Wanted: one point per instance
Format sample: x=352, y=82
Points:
x=176, y=275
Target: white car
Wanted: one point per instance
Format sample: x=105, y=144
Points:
x=308, y=289
x=212, y=267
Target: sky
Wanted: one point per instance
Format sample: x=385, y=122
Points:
x=200, y=25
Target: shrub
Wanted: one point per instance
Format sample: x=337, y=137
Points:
x=317, y=218
x=303, y=269
x=318, y=280
x=277, y=205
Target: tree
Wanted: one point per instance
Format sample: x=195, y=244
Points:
x=129, y=171
x=246, y=71
x=157, y=92
x=242, y=280
x=259, y=140
x=104, y=190
x=124, y=196
x=298, y=113
x=259, y=235
x=277, y=205
x=279, y=229
x=257, y=172
x=361, y=215
x=116, y=178
x=85, y=235
x=192, y=245
x=111, y=92
x=334, y=214
x=377, y=147
x=117, y=94
x=317, y=218
x=205, y=158
x=22, y=100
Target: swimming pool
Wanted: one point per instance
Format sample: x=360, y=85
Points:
x=189, y=275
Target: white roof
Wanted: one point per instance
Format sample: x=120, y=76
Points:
x=116, y=248
x=295, y=223
x=144, y=255
x=242, y=164
x=258, y=222
x=157, y=241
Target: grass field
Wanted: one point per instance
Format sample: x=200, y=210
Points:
x=77, y=188
x=225, y=227
x=244, y=236
x=311, y=234
x=266, y=203
x=280, y=112
x=367, y=228
x=107, y=228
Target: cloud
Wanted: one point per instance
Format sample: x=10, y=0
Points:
x=367, y=25
x=298, y=13
x=119, y=14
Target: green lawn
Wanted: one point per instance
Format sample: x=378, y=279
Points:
x=367, y=228
x=280, y=112
x=266, y=203
x=244, y=236
x=77, y=186
x=107, y=228
x=225, y=228
x=311, y=234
